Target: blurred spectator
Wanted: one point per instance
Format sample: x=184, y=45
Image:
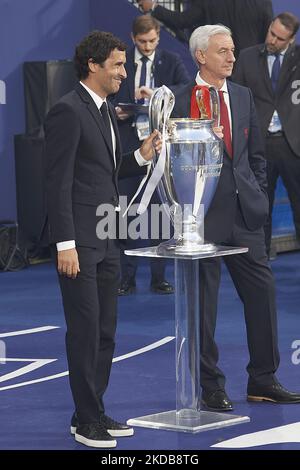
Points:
x=271, y=71
x=147, y=68
x=248, y=19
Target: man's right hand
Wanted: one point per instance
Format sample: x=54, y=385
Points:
x=67, y=263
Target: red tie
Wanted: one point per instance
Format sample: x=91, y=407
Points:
x=226, y=124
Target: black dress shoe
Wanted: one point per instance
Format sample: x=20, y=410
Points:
x=162, y=287
x=127, y=287
x=114, y=428
x=217, y=401
x=274, y=393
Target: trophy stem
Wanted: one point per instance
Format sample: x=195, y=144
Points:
x=191, y=240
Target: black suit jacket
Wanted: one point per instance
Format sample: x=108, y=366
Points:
x=168, y=69
x=245, y=173
x=81, y=173
x=248, y=19
x=252, y=71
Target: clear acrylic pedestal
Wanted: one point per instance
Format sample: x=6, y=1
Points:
x=188, y=416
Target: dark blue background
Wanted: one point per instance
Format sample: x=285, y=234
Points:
x=47, y=30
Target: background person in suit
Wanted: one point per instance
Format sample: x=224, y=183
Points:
x=235, y=218
x=84, y=160
x=147, y=67
x=248, y=19
x=270, y=70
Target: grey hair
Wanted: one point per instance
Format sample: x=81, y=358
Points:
x=200, y=37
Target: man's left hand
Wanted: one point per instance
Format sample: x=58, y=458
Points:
x=143, y=92
x=146, y=5
x=150, y=145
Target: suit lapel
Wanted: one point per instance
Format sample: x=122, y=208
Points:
x=235, y=111
x=263, y=69
x=156, y=69
x=92, y=108
x=289, y=65
x=116, y=131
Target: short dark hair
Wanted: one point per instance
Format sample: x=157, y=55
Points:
x=97, y=46
x=290, y=21
x=143, y=24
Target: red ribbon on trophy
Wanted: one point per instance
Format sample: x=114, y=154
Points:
x=200, y=103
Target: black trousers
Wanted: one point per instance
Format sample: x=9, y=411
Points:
x=254, y=283
x=281, y=161
x=90, y=306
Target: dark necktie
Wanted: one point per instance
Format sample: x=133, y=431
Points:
x=224, y=121
x=275, y=71
x=143, y=76
x=105, y=116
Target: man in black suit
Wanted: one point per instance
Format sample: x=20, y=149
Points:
x=271, y=70
x=248, y=19
x=235, y=218
x=84, y=160
x=161, y=67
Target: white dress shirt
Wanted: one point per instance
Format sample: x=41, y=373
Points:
x=275, y=124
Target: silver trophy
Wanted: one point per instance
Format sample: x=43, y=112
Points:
x=191, y=165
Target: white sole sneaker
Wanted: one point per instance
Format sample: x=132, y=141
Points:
x=112, y=432
x=120, y=432
x=93, y=443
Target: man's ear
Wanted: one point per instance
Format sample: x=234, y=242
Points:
x=200, y=56
x=132, y=37
x=92, y=66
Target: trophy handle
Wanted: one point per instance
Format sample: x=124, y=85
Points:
x=215, y=106
x=160, y=108
x=206, y=98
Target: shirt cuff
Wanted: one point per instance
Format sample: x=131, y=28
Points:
x=68, y=245
x=140, y=160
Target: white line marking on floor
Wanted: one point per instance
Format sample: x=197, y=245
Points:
x=27, y=332
x=150, y=347
x=157, y=344
x=34, y=364
x=278, y=435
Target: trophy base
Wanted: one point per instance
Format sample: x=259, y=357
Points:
x=200, y=421
x=178, y=247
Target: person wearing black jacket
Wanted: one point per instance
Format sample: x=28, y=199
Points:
x=235, y=218
x=84, y=161
x=248, y=19
x=162, y=68
x=278, y=112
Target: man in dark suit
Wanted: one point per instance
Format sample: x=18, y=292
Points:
x=84, y=160
x=147, y=67
x=248, y=19
x=235, y=218
x=271, y=71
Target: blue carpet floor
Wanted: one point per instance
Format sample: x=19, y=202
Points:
x=36, y=404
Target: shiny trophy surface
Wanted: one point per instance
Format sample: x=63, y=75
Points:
x=192, y=165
